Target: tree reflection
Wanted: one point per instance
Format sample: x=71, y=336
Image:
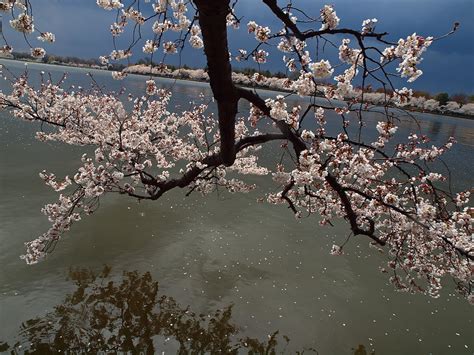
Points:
x=129, y=315
x=361, y=350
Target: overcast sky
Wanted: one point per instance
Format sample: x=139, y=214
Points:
x=81, y=30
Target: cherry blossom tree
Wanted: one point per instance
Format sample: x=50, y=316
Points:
x=384, y=189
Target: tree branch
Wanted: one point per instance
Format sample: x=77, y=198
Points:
x=284, y=128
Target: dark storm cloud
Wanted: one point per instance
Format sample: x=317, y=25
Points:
x=81, y=29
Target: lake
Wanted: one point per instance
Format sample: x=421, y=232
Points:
x=221, y=250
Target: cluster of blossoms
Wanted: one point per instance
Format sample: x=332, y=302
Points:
x=50, y=180
x=344, y=87
x=251, y=26
x=232, y=21
x=329, y=18
x=288, y=45
x=262, y=34
x=104, y=60
x=119, y=54
x=117, y=28
x=337, y=178
x=138, y=152
x=403, y=97
x=260, y=56
x=305, y=58
x=161, y=27
x=285, y=45
x=169, y=47
x=134, y=15
x=304, y=85
x=179, y=13
x=368, y=25
x=110, y=4
x=119, y=75
x=409, y=51
x=321, y=69
x=278, y=108
x=151, y=88
x=290, y=63
x=47, y=37
x=349, y=55
x=61, y=218
x=386, y=130
x=6, y=49
x=171, y=16
x=38, y=52
x=160, y=6
x=278, y=111
x=23, y=23
x=195, y=40
x=150, y=47
x=6, y=6
x=241, y=56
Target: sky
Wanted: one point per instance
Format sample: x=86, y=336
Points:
x=81, y=30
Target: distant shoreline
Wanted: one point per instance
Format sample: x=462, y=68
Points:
x=259, y=87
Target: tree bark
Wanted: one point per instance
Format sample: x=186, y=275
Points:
x=212, y=19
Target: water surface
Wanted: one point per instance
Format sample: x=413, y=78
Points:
x=223, y=249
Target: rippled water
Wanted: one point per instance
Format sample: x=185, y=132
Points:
x=223, y=250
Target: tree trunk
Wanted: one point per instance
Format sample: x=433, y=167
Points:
x=212, y=19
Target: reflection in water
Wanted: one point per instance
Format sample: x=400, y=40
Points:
x=103, y=315
x=435, y=129
x=361, y=350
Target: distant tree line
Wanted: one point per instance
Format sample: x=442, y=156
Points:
x=443, y=98
x=70, y=60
